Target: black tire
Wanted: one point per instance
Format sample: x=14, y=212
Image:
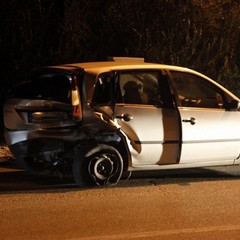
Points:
x=101, y=165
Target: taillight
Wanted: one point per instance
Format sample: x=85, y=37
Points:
x=76, y=100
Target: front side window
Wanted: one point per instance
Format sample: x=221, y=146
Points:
x=138, y=87
x=193, y=91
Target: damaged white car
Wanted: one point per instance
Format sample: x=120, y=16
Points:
x=102, y=119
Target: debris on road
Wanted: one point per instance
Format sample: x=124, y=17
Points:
x=5, y=153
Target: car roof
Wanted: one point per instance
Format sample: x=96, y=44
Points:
x=105, y=66
x=97, y=68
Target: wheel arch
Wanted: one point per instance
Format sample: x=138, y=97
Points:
x=119, y=142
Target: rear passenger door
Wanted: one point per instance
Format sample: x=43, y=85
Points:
x=146, y=114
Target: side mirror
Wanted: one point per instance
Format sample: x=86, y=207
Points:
x=233, y=105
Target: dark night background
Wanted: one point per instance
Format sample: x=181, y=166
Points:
x=203, y=35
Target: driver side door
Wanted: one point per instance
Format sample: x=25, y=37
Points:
x=210, y=130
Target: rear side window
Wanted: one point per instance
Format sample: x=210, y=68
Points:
x=48, y=86
x=129, y=87
x=139, y=87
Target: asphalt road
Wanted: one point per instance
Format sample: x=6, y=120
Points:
x=186, y=204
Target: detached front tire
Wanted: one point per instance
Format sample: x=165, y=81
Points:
x=102, y=165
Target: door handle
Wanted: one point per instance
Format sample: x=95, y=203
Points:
x=125, y=117
x=192, y=120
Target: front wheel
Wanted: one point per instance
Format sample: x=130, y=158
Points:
x=102, y=166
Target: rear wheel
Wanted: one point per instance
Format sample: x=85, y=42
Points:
x=100, y=166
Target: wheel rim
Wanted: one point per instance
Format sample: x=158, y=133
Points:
x=102, y=168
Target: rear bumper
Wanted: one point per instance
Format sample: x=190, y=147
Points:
x=35, y=146
x=13, y=137
x=25, y=142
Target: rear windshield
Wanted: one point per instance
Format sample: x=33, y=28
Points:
x=48, y=86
